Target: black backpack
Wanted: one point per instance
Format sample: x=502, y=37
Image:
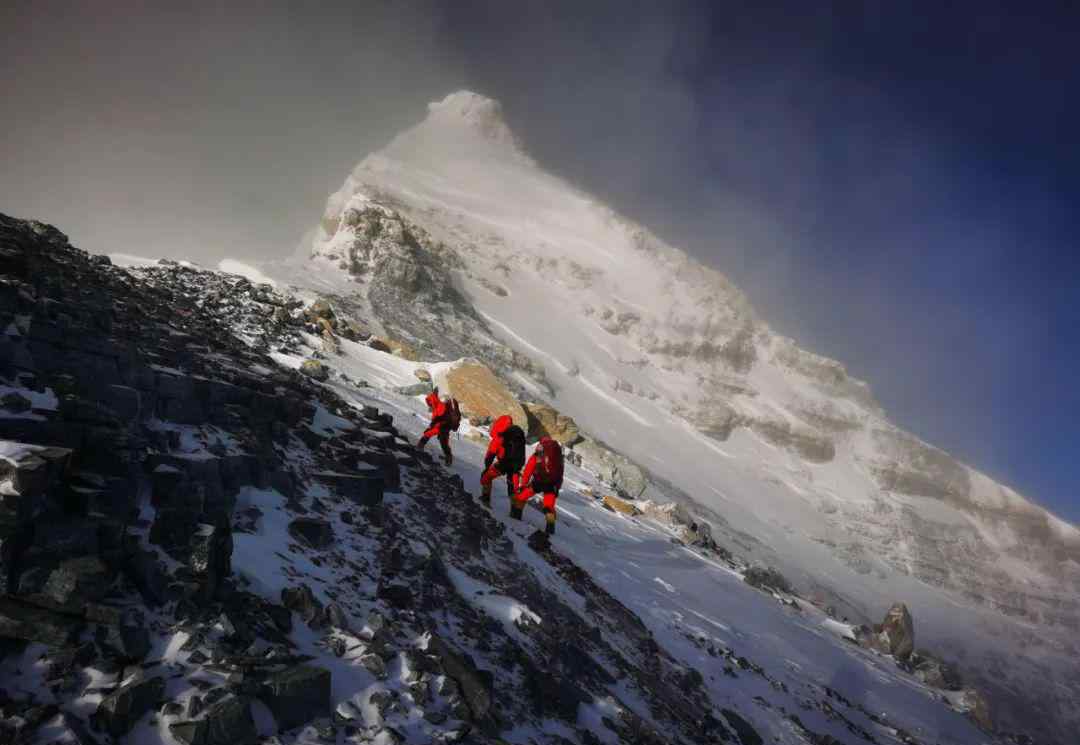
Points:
x=514, y=448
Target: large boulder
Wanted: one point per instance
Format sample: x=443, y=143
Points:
x=298, y=695
x=479, y=392
x=228, y=722
x=120, y=710
x=545, y=420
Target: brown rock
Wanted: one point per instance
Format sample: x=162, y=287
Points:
x=480, y=393
x=546, y=420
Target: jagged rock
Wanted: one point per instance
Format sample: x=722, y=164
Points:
x=766, y=578
x=120, y=710
x=336, y=616
x=19, y=620
x=743, y=730
x=398, y=596
x=302, y=601
x=125, y=643
x=476, y=685
x=479, y=392
x=321, y=308
x=422, y=375
x=615, y=469
x=365, y=487
x=353, y=330
x=227, y=722
x=315, y=370
x=79, y=581
x=619, y=505
x=312, y=531
x=546, y=420
x=395, y=347
x=297, y=696
x=898, y=632
x=977, y=708
x=934, y=672
x=416, y=389
x=374, y=664
x=144, y=571
x=211, y=556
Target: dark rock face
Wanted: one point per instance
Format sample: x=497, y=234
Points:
x=364, y=489
x=297, y=696
x=228, y=722
x=30, y=623
x=312, y=531
x=120, y=710
x=211, y=556
x=303, y=602
x=765, y=578
x=475, y=684
x=78, y=581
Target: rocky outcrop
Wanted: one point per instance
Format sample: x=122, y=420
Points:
x=545, y=420
x=895, y=635
x=480, y=393
x=626, y=476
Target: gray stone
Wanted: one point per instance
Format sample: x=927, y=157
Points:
x=619, y=471
x=297, y=696
x=302, y=601
x=211, y=556
x=145, y=572
x=126, y=643
x=475, y=684
x=898, y=631
x=227, y=722
x=79, y=581
x=30, y=623
x=365, y=488
x=766, y=578
x=312, y=531
x=120, y=710
x=416, y=389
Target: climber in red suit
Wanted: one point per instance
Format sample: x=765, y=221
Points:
x=440, y=425
x=505, y=457
x=543, y=475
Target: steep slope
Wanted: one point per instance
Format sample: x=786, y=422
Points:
x=204, y=546
x=456, y=241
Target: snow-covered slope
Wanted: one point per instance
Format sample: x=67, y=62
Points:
x=457, y=242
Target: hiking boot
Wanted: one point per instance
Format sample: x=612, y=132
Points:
x=515, y=512
x=448, y=459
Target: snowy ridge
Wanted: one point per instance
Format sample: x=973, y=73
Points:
x=666, y=361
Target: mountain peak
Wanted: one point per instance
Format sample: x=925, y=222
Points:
x=475, y=111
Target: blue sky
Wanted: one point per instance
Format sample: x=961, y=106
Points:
x=894, y=184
